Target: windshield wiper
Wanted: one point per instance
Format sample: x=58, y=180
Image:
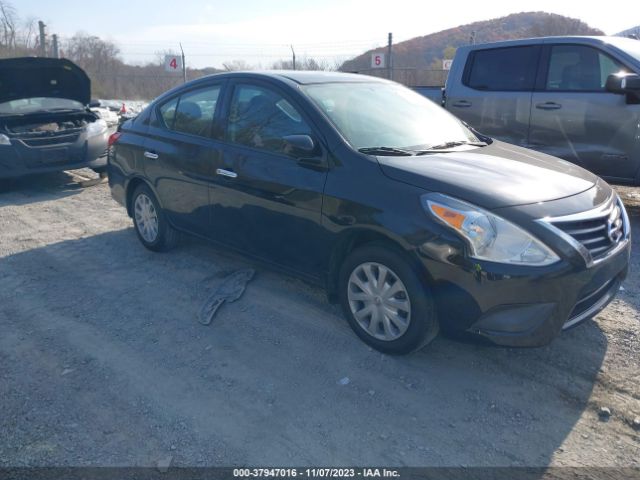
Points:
x=447, y=145
x=386, y=151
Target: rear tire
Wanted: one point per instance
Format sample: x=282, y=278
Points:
x=150, y=221
x=386, y=303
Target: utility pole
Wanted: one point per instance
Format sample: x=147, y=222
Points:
x=390, y=59
x=43, y=43
x=54, y=48
x=293, y=54
x=472, y=39
x=184, y=65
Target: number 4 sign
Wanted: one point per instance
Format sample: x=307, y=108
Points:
x=173, y=63
x=377, y=60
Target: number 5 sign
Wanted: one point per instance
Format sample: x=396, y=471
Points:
x=377, y=60
x=173, y=63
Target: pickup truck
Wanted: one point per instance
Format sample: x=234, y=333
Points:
x=577, y=98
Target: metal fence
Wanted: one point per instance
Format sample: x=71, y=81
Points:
x=411, y=77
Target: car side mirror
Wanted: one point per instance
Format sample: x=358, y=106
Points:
x=94, y=103
x=299, y=145
x=306, y=152
x=622, y=83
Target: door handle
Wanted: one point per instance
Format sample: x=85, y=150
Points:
x=548, y=106
x=461, y=104
x=151, y=155
x=226, y=173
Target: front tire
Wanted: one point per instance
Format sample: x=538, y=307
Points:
x=385, y=301
x=150, y=222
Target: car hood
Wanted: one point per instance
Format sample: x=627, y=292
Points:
x=495, y=176
x=31, y=77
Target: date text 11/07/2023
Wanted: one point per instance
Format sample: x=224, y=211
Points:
x=315, y=473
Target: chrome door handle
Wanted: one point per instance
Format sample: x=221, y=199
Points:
x=548, y=106
x=226, y=173
x=462, y=104
x=151, y=155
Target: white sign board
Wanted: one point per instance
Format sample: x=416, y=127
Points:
x=173, y=63
x=446, y=64
x=377, y=60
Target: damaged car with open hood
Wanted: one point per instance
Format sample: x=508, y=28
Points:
x=45, y=121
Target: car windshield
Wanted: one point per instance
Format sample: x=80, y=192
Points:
x=31, y=105
x=374, y=115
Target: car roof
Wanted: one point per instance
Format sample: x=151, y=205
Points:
x=586, y=40
x=300, y=77
x=291, y=77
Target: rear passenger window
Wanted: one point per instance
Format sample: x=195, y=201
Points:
x=578, y=68
x=168, y=112
x=503, y=69
x=195, y=112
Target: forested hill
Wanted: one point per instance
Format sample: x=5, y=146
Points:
x=427, y=51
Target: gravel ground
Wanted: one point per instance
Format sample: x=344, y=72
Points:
x=103, y=363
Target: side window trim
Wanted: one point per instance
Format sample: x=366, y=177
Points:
x=471, y=58
x=545, y=62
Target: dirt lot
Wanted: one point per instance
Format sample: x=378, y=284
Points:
x=103, y=362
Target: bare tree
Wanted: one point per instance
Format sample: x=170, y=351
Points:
x=307, y=63
x=237, y=65
x=29, y=34
x=8, y=22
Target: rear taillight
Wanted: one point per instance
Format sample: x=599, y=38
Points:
x=114, y=138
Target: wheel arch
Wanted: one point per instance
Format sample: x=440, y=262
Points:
x=134, y=183
x=355, y=239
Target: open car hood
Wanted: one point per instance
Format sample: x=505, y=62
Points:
x=31, y=77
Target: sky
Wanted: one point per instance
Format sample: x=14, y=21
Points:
x=261, y=32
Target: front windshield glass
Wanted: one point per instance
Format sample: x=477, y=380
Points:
x=36, y=104
x=387, y=115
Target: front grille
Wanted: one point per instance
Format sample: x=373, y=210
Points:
x=48, y=141
x=599, y=234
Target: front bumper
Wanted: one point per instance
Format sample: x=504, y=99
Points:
x=519, y=305
x=513, y=307
x=568, y=299
x=19, y=158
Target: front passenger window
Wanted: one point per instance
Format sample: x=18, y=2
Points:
x=578, y=68
x=260, y=118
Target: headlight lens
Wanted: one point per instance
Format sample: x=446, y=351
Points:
x=4, y=140
x=96, y=128
x=489, y=237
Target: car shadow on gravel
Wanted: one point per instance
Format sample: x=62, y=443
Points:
x=41, y=187
x=102, y=336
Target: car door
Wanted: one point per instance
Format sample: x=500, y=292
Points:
x=180, y=155
x=265, y=200
x=575, y=118
x=494, y=95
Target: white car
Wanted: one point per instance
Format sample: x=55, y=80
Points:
x=104, y=113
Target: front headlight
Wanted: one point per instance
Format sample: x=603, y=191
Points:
x=4, y=140
x=96, y=128
x=489, y=237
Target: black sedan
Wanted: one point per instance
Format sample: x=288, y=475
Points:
x=411, y=220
